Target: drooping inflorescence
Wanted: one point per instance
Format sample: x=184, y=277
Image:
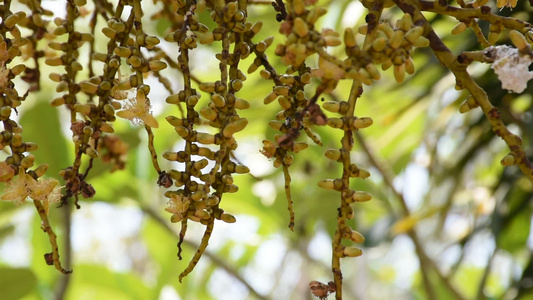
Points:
x=98, y=84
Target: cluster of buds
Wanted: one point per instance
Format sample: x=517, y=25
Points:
x=392, y=47
x=23, y=182
x=200, y=190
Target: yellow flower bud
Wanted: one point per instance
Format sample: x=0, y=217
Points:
x=352, y=252
x=335, y=122
x=208, y=87
x=421, y=42
x=414, y=33
x=123, y=51
x=205, y=138
x=88, y=88
x=363, y=122
x=218, y=100
x=53, y=61
x=299, y=146
x=508, y=160
x=208, y=113
x=157, y=65
x=91, y=152
x=349, y=37
x=333, y=154
x=459, y=28
x=518, y=39
x=396, y=39
x=330, y=184
x=40, y=170
x=227, y=218
x=300, y=27
x=57, y=101
x=360, y=197
x=241, y=104
x=399, y=73
x=182, y=131
x=357, y=237
x=234, y=127
x=379, y=44
x=270, y=98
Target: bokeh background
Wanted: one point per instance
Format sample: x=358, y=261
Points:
x=445, y=215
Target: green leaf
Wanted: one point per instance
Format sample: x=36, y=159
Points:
x=41, y=125
x=16, y=283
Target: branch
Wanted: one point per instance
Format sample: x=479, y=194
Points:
x=64, y=281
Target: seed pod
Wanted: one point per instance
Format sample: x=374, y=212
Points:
x=363, y=29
